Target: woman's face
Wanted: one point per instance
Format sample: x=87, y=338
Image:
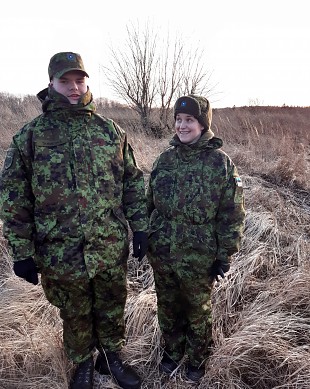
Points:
x=187, y=128
x=72, y=85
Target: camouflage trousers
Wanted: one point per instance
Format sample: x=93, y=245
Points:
x=92, y=310
x=184, y=311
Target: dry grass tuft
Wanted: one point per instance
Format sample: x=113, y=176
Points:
x=31, y=349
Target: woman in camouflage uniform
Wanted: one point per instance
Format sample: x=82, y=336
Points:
x=68, y=187
x=196, y=208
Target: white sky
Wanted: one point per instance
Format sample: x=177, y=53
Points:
x=258, y=52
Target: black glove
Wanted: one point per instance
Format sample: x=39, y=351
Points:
x=139, y=243
x=27, y=270
x=218, y=268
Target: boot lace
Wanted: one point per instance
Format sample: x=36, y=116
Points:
x=118, y=365
x=84, y=373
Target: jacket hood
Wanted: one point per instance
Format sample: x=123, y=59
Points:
x=52, y=101
x=206, y=142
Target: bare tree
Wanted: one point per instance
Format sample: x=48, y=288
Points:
x=195, y=78
x=169, y=78
x=131, y=73
x=150, y=72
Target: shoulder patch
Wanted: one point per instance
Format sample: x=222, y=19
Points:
x=238, y=181
x=238, y=198
x=9, y=159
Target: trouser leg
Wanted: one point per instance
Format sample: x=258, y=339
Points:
x=172, y=320
x=74, y=300
x=199, y=313
x=110, y=295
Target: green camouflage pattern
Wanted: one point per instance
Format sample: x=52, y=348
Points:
x=184, y=311
x=64, y=62
x=196, y=207
x=68, y=185
x=69, y=188
x=92, y=311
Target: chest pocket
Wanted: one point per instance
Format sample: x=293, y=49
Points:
x=164, y=178
x=51, y=161
x=51, y=152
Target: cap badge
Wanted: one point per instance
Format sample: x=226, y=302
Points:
x=71, y=57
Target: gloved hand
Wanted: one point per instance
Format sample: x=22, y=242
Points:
x=27, y=270
x=218, y=268
x=139, y=243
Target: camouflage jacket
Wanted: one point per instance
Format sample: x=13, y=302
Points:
x=195, y=202
x=69, y=186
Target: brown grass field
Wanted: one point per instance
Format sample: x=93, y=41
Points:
x=261, y=310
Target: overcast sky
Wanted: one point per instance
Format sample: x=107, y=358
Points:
x=257, y=52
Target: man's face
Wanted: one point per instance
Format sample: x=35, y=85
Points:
x=72, y=85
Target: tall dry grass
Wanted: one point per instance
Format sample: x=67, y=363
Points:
x=261, y=310
x=272, y=142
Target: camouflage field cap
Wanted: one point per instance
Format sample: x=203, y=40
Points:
x=62, y=63
x=197, y=106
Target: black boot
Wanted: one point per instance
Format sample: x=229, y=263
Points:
x=83, y=376
x=194, y=373
x=110, y=363
x=167, y=364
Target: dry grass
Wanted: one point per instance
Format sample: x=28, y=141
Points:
x=32, y=355
x=271, y=142
x=261, y=310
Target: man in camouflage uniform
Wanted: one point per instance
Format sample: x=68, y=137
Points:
x=196, y=209
x=69, y=186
